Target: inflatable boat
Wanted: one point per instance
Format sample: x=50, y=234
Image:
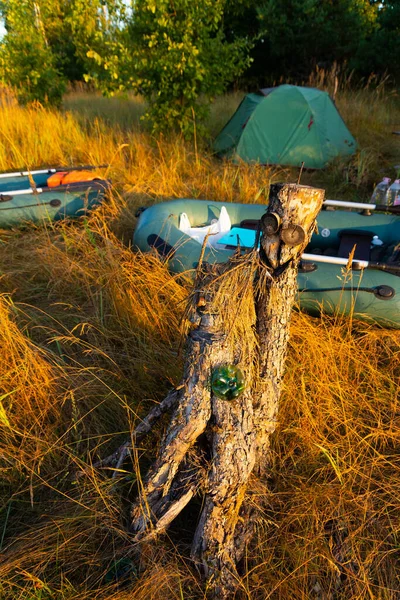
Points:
x=367, y=288
x=48, y=194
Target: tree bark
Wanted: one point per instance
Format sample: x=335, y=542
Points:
x=241, y=314
x=294, y=205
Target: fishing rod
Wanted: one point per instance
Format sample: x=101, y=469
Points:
x=52, y=170
x=356, y=264
x=362, y=206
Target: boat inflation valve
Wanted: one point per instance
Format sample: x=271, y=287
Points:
x=55, y=202
x=271, y=223
x=227, y=382
x=384, y=292
x=293, y=235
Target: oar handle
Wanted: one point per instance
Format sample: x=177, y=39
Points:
x=356, y=264
x=395, y=210
x=102, y=183
x=51, y=170
x=10, y=195
x=83, y=168
x=27, y=173
x=384, y=267
x=335, y=260
x=354, y=205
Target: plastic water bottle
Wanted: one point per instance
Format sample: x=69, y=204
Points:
x=379, y=195
x=393, y=194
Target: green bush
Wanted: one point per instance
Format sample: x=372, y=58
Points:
x=28, y=67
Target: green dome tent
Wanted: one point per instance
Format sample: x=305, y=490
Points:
x=286, y=125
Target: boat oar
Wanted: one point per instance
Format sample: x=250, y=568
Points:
x=7, y=196
x=52, y=170
x=55, y=203
x=363, y=206
x=355, y=263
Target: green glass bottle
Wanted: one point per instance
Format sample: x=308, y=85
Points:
x=227, y=382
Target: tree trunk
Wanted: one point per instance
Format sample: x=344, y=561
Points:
x=241, y=315
x=294, y=206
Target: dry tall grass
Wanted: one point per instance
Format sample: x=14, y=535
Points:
x=89, y=337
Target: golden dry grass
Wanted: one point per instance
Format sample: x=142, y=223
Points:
x=89, y=336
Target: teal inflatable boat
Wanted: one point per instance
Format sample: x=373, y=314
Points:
x=27, y=197
x=370, y=290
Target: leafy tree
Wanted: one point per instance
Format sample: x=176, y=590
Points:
x=380, y=52
x=57, y=16
x=26, y=60
x=292, y=36
x=175, y=53
x=241, y=20
x=99, y=30
x=301, y=33
x=39, y=53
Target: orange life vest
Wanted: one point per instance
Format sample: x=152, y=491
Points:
x=65, y=177
x=55, y=179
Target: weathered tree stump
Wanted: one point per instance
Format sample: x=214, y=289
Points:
x=241, y=315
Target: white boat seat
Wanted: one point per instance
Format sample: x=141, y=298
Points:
x=217, y=228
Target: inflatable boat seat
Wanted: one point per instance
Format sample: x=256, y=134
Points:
x=216, y=230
